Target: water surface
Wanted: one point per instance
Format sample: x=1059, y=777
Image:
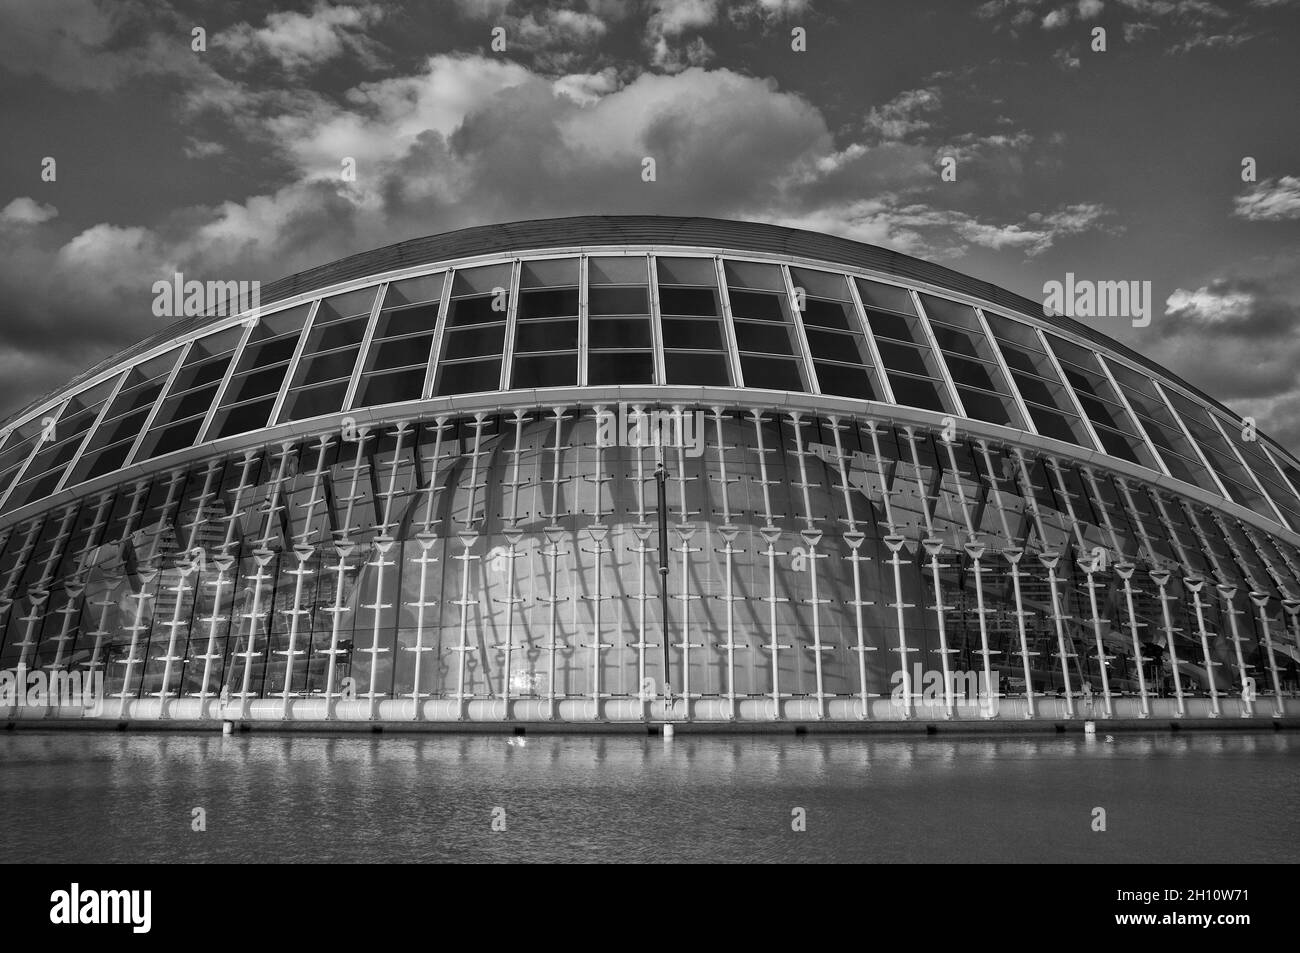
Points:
x=96, y=797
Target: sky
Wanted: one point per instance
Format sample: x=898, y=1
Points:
x=220, y=155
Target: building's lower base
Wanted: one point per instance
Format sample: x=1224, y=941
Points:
x=696, y=715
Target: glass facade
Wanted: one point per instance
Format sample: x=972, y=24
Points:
x=426, y=535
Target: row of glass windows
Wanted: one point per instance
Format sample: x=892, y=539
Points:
x=720, y=322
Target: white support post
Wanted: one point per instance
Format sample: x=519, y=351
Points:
x=185, y=566
x=643, y=531
x=598, y=533
x=343, y=549
x=812, y=538
x=1193, y=585
x=1125, y=572
x=729, y=533
x=383, y=546
x=467, y=540
x=304, y=554
x=426, y=540
x=1261, y=600
x=1013, y=556
x=1161, y=579
x=513, y=537
x=138, y=625
x=1227, y=592
x=685, y=531
x=223, y=562
x=262, y=558
x=1049, y=561
x=770, y=536
x=553, y=647
x=975, y=550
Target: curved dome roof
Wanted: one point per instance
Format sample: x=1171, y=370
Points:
x=676, y=306
x=585, y=231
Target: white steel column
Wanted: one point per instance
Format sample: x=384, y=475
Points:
x=1125, y=572
x=467, y=540
x=1247, y=696
x=598, y=533
x=1261, y=600
x=1193, y=585
x=1161, y=579
x=853, y=538
x=343, y=549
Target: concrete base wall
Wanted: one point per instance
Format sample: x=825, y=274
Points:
x=700, y=714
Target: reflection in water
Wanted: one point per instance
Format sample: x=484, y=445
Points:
x=129, y=797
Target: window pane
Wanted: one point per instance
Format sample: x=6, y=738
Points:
x=629, y=270
x=549, y=273
x=618, y=333
x=889, y=297
x=550, y=303
x=696, y=335
x=618, y=301
x=469, y=378
x=844, y=381
x=686, y=271
x=688, y=301
x=546, y=336
x=556, y=370
x=683, y=367
x=771, y=373
x=622, y=368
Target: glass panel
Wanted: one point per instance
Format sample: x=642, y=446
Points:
x=686, y=271
x=686, y=367
x=181, y=413
x=59, y=444
x=1178, y=455
x=1235, y=478
x=760, y=308
x=549, y=273
x=398, y=357
x=842, y=359
x=1112, y=422
x=634, y=367
x=692, y=322
x=886, y=297
x=617, y=270
x=972, y=362
x=549, y=370
x=479, y=304
x=618, y=326
x=108, y=446
x=247, y=402
x=1042, y=390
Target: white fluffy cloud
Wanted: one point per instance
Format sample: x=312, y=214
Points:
x=27, y=211
x=303, y=41
x=1212, y=305
x=1271, y=200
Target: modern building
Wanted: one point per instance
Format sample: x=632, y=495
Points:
x=421, y=485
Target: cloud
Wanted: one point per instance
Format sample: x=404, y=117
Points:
x=26, y=211
x=1272, y=200
x=1066, y=60
x=922, y=229
x=1057, y=19
x=1090, y=9
x=1248, y=324
x=298, y=42
x=668, y=22
x=96, y=45
x=1219, y=305
x=905, y=115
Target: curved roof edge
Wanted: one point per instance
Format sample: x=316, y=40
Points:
x=580, y=230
